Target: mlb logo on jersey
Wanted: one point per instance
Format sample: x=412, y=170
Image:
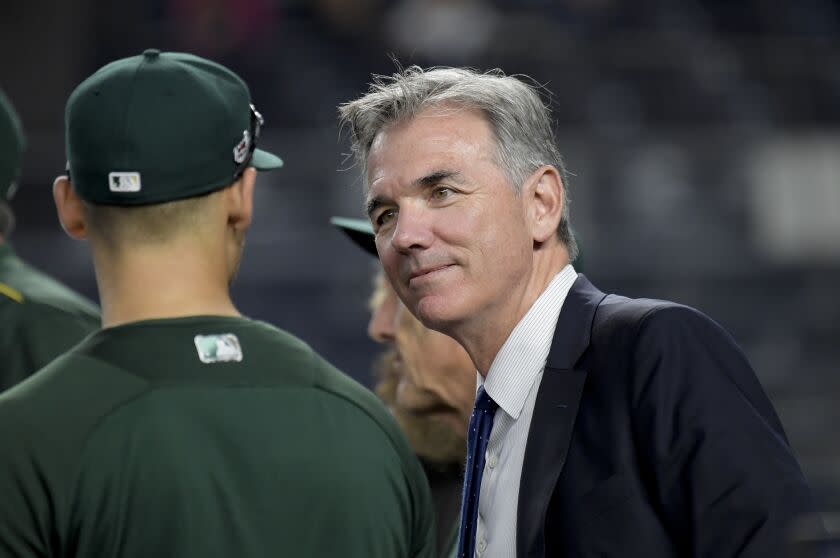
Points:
x=124, y=181
x=222, y=347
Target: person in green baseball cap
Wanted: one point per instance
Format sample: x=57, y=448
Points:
x=183, y=428
x=39, y=317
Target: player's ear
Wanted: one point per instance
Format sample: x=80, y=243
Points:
x=240, y=199
x=543, y=193
x=68, y=205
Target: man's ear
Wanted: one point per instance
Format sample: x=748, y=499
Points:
x=543, y=192
x=68, y=205
x=240, y=200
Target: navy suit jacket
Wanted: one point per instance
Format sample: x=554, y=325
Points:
x=651, y=436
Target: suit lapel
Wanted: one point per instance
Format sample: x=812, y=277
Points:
x=554, y=415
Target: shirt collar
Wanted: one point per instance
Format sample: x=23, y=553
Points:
x=522, y=357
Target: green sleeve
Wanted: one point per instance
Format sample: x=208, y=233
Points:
x=26, y=498
x=424, y=542
x=417, y=507
x=33, y=334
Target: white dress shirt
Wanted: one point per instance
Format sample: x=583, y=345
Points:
x=513, y=381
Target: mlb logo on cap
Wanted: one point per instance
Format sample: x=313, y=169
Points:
x=124, y=181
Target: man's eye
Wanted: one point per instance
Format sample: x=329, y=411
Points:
x=385, y=216
x=441, y=193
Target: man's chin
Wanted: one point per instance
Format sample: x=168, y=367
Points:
x=453, y=421
x=435, y=313
x=432, y=435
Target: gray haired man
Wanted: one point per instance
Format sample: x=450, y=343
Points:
x=602, y=425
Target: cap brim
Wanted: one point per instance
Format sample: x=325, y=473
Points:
x=263, y=160
x=360, y=231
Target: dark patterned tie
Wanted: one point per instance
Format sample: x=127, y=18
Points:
x=481, y=424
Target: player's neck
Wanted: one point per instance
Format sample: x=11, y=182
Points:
x=162, y=284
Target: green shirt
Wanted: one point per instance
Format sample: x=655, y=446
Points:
x=204, y=436
x=39, y=318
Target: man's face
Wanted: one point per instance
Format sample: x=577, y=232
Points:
x=428, y=379
x=450, y=231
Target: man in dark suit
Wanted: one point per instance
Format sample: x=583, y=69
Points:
x=603, y=426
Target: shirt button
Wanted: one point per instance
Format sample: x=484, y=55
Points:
x=492, y=461
x=482, y=546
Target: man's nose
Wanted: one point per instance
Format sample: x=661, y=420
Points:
x=412, y=230
x=382, y=326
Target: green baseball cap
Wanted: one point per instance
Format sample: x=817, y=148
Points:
x=12, y=144
x=159, y=127
x=360, y=231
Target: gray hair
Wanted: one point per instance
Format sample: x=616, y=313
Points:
x=520, y=121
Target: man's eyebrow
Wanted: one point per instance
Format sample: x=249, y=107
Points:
x=372, y=204
x=437, y=176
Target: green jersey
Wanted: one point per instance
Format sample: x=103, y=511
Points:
x=39, y=318
x=204, y=436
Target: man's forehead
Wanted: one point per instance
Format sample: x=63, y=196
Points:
x=415, y=149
